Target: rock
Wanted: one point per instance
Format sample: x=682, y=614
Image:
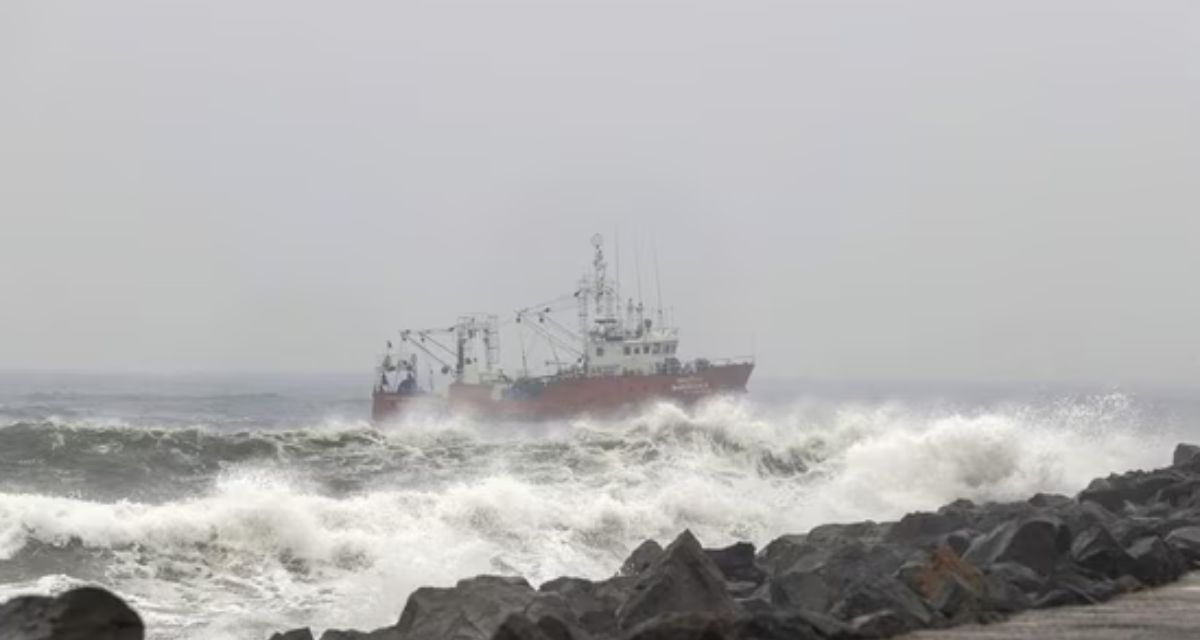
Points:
x=593, y=604
x=921, y=526
x=520, y=627
x=1098, y=551
x=683, y=579
x=958, y=600
x=87, y=613
x=1050, y=501
x=800, y=590
x=387, y=633
x=1186, y=540
x=1037, y=542
x=1155, y=562
x=642, y=557
x=885, y=594
x=702, y=626
x=473, y=609
x=942, y=566
x=737, y=563
x=1001, y=593
x=294, y=634
x=1134, y=488
x=1185, y=455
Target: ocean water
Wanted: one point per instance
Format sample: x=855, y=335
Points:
x=233, y=506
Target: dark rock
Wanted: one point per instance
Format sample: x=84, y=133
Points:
x=1134, y=488
x=386, y=633
x=1037, y=542
x=593, y=604
x=521, y=627
x=642, y=557
x=1050, y=501
x=294, y=634
x=683, y=579
x=959, y=541
x=923, y=526
x=800, y=590
x=1155, y=562
x=1185, y=455
x=885, y=594
x=703, y=626
x=474, y=608
x=737, y=563
x=87, y=613
x=1186, y=540
x=1002, y=594
x=1098, y=551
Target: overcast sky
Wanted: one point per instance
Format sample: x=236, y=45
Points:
x=886, y=190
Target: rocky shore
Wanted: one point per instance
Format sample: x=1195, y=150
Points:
x=964, y=563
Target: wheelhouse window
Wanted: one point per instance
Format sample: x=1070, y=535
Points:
x=657, y=348
x=599, y=351
x=626, y=349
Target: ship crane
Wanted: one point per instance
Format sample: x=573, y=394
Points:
x=424, y=336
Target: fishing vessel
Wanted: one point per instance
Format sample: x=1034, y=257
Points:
x=617, y=357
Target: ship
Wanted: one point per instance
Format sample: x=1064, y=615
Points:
x=616, y=359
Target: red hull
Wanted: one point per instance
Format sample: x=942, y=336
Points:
x=568, y=397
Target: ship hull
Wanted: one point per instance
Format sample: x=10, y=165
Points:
x=566, y=397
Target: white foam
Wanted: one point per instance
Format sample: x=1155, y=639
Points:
x=269, y=549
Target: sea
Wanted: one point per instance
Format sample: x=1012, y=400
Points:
x=232, y=506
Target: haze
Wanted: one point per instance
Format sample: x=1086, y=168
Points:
x=853, y=190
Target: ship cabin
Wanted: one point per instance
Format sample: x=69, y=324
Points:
x=615, y=352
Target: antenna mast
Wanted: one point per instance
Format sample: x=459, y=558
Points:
x=657, y=282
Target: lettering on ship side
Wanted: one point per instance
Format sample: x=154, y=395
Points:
x=690, y=384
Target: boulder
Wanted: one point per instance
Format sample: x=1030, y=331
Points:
x=386, y=633
x=683, y=579
x=1099, y=552
x=737, y=563
x=915, y=528
x=1155, y=562
x=1037, y=542
x=1185, y=455
x=642, y=557
x=521, y=627
x=1116, y=492
x=800, y=590
x=1186, y=540
x=703, y=626
x=87, y=613
x=592, y=604
x=883, y=595
x=295, y=634
x=473, y=609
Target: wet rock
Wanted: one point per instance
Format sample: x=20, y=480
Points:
x=1050, y=501
x=737, y=563
x=884, y=595
x=924, y=527
x=1135, y=488
x=1185, y=455
x=683, y=579
x=387, y=633
x=521, y=627
x=1155, y=562
x=642, y=557
x=1098, y=551
x=473, y=609
x=702, y=626
x=1037, y=542
x=800, y=590
x=593, y=604
x=87, y=613
x=294, y=634
x=1186, y=540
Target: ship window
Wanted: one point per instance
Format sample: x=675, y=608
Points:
x=626, y=349
x=599, y=351
x=657, y=348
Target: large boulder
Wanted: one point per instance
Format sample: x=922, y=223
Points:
x=705, y=626
x=593, y=604
x=1038, y=542
x=1098, y=551
x=642, y=557
x=884, y=595
x=737, y=563
x=1186, y=455
x=924, y=527
x=684, y=579
x=474, y=608
x=87, y=613
x=1186, y=540
x=1155, y=562
x=1117, y=492
x=386, y=633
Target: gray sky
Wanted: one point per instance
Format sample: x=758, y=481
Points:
x=948, y=190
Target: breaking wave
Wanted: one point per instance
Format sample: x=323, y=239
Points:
x=221, y=534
